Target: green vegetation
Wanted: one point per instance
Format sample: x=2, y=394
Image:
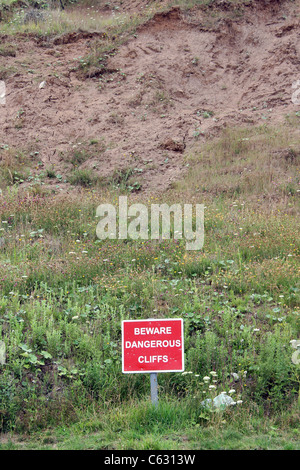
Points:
x=65, y=293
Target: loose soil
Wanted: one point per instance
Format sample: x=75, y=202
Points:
x=183, y=78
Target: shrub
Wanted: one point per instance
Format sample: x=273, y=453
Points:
x=82, y=177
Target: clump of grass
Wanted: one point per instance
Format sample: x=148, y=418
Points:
x=53, y=21
x=6, y=71
x=245, y=163
x=50, y=173
x=82, y=177
x=124, y=180
x=65, y=294
x=78, y=157
x=84, y=151
x=14, y=166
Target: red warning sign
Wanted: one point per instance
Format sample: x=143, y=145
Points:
x=152, y=345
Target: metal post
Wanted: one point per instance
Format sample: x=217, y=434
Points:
x=154, y=392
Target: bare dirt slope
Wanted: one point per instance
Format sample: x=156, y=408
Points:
x=178, y=82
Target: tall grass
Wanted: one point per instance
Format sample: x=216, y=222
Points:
x=64, y=293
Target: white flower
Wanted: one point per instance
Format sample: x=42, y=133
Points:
x=213, y=373
x=206, y=378
x=212, y=387
x=239, y=402
x=231, y=391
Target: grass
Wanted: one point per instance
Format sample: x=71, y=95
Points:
x=169, y=427
x=82, y=177
x=260, y=161
x=55, y=22
x=7, y=50
x=64, y=293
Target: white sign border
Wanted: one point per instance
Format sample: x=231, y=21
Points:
x=153, y=371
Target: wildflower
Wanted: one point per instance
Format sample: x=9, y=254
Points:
x=206, y=378
x=213, y=373
x=239, y=402
x=231, y=391
x=212, y=387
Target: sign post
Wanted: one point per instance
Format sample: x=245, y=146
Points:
x=152, y=346
x=154, y=388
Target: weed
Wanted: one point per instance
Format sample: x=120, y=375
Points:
x=7, y=50
x=82, y=177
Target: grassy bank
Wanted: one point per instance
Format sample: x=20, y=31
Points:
x=65, y=293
